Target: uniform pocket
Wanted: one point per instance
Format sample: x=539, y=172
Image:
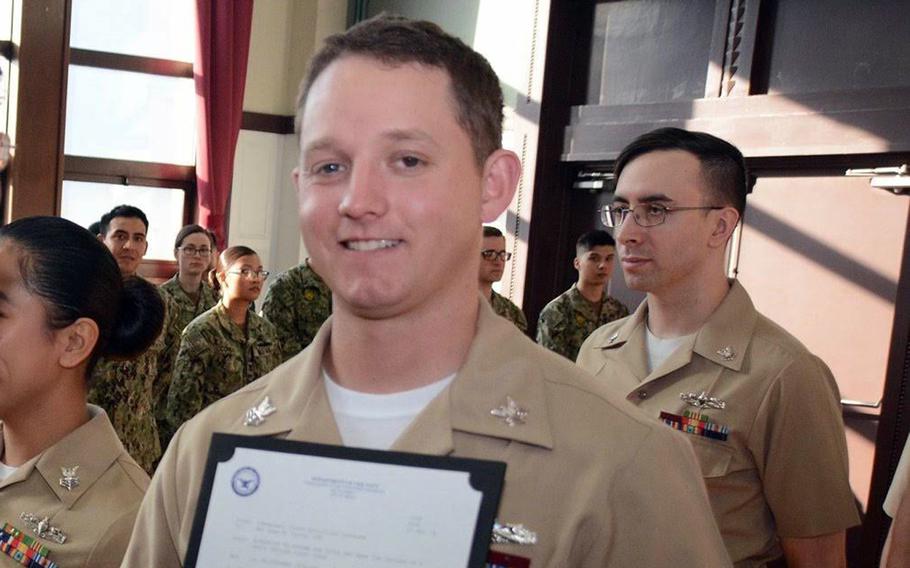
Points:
x=714, y=456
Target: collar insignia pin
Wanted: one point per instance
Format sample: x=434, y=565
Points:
x=505, y=533
x=510, y=412
x=702, y=400
x=256, y=415
x=41, y=526
x=727, y=353
x=614, y=337
x=70, y=480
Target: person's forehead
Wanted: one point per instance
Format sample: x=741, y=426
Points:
x=602, y=250
x=354, y=86
x=196, y=239
x=131, y=225
x=672, y=173
x=494, y=242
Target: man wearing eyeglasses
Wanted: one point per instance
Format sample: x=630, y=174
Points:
x=760, y=410
x=493, y=257
x=571, y=317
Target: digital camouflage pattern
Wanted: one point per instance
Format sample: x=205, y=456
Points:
x=216, y=358
x=570, y=318
x=297, y=304
x=185, y=310
x=505, y=308
x=127, y=391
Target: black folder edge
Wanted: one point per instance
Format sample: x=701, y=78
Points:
x=485, y=476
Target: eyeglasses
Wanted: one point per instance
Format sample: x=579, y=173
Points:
x=250, y=273
x=490, y=254
x=645, y=214
x=193, y=251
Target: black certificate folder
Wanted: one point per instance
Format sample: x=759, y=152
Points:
x=270, y=502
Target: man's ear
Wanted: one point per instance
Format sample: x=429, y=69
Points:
x=76, y=342
x=726, y=221
x=576, y=262
x=501, y=173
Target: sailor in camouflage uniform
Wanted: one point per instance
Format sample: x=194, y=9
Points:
x=125, y=388
x=219, y=354
x=571, y=317
x=297, y=303
x=493, y=257
x=190, y=295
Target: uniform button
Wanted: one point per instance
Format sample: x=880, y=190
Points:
x=642, y=394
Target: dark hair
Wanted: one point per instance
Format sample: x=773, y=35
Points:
x=95, y=228
x=394, y=40
x=227, y=257
x=489, y=231
x=722, y=163
x=591, y=239
x=122, y=211
x=188, y=230
x=76, y=276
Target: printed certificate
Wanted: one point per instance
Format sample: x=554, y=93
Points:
x=268, y=502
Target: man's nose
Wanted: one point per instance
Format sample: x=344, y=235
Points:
x=365, y=193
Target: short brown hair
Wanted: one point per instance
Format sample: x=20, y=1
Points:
x=722, y=164
x=395, y=40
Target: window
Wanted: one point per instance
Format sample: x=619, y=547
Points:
x=130, y=114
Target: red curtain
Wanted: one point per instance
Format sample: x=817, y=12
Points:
x=222, y=48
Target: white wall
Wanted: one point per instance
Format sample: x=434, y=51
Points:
x=263, y=204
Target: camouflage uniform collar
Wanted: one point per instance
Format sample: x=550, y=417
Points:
x=94, y=446
x=173, y=283
x=583, y=305
x=309, y=268
x=236, y=332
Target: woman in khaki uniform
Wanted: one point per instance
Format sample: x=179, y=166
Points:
x=228, y=346
x=69, y=492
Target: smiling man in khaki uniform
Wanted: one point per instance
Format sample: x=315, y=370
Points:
x=400, y=166
x=761, y=411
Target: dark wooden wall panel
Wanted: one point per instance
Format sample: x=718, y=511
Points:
x=37, y=169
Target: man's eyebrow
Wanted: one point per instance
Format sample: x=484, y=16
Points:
x=653, y=198
x=409, y=134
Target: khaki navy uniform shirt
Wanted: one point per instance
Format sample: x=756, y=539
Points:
x=505, y=308
x=96, y=516
x=297, y=303
x=600, y=484
x=569, y=318
x=218, y=357
x=774, y=458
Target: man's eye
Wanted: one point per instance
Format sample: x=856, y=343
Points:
x=411, y=161
x=656, y=210
x=328, y=169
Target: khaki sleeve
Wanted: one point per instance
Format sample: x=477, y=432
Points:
x=659, y=514
x=153, y=542
x=799, y=446
x=108, y=552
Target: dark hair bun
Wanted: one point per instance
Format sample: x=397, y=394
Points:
x=139, y=322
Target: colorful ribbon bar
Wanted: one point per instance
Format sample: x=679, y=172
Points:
x=24, y=549
x=696, y=424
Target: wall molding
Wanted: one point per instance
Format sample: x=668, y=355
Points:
x=263, y=122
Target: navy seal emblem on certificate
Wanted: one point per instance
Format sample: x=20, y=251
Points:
x=245, y=481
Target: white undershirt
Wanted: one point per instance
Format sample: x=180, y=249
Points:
x=5, y=471
x=659, y=349
x=375, y=421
